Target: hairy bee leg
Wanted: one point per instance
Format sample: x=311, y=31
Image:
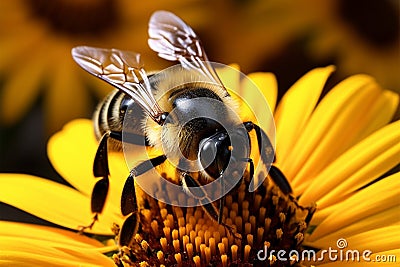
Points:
x=278, y=178
x=128, y=200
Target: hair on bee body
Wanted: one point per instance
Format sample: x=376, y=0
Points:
x=171, y=88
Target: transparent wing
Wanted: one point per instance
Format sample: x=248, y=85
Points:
x=122, y=69
x=173, y=40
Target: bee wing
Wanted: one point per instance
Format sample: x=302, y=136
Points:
x=174, y=40
x=122, y=69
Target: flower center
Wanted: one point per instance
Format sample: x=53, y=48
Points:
x=253, y=224
x=76, y=17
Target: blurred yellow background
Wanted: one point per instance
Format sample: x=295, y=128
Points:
x=41, y=88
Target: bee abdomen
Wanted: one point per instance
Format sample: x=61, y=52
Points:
x=108, y=117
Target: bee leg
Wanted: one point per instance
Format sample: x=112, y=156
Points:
x=128, y=200
x=266, y=152
x=276, y=174
x=221, y=200
x=223, y=194
x=130, y=138
x=129, y=229
x=251, y=169
x=101, y=169
x=100, y=190
x=83, y=228
x=193, y=188
x=128, y=206
x=251, y=164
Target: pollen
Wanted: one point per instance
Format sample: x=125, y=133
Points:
x=187, y=236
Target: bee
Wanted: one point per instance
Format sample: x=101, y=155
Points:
x=210, y=140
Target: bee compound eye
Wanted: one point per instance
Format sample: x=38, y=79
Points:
x=215, y=154
x=207, y=152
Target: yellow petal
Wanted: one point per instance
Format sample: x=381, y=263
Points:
x=322, y=118
x=377, y=240
x=373, y=199
x=266, y=83
x=386, y=217
x=345, y=116
x=246, y=112
x=229, y=75
x=382, y=111
x=25, y=252
x=296, y=107
x=358, y=166
x=58, y=236
x=255, y=97
x=53, y=202
x=321, y=214
x=72, y=151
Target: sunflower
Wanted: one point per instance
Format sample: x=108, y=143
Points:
x=36, y=36
x=336, y=152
